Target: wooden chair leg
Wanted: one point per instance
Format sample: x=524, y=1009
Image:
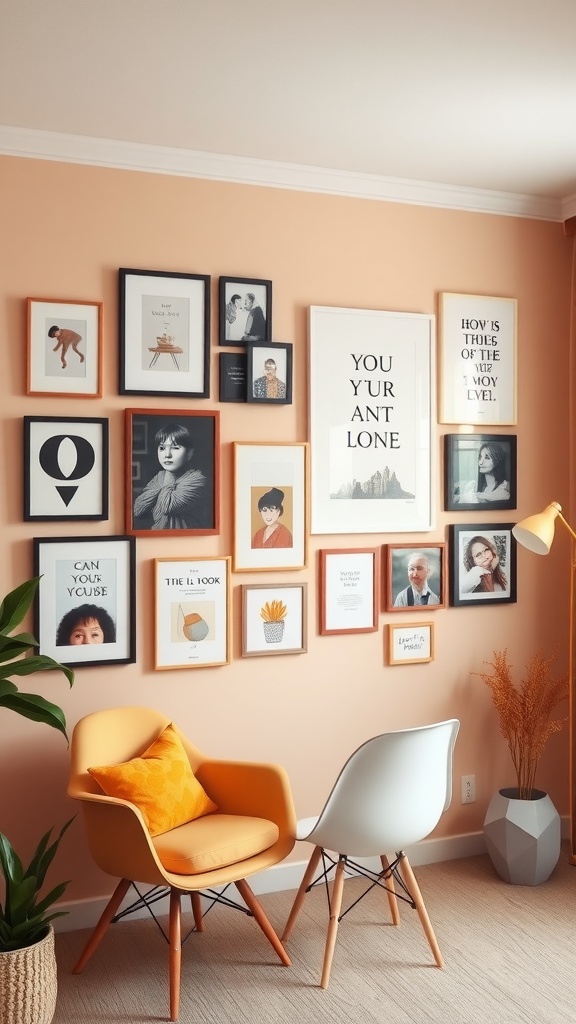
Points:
x=196, y=901
x=260, y=917
x=301, y=894
x=175, y=952
x=102, y=926
x=414, y=890
x=336, y=904
x=390, y=890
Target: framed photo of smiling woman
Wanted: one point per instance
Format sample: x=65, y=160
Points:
x=483, y=564
x=172, y=472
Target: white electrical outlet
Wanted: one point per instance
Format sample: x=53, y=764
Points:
x=468, y=789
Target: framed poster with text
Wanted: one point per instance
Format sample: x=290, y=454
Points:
x=477, y=359
x=371, y=416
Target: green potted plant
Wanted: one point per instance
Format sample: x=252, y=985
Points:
x=27, y=962
x=522, y=826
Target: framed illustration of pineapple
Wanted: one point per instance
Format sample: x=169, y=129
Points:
x=274, y=619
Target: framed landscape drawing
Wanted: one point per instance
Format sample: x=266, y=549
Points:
x=371, y=415
x=192, y=612
x=64, y=355
x=65, y=468
x=270, y=506
x=84, y=612
x=477, y=359
x=164, y=333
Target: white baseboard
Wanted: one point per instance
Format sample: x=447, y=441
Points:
x=287, y=875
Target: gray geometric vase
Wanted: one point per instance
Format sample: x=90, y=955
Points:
x=522, y=836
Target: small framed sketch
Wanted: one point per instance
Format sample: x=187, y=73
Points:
x=245, y=307
x=270, y=506
x=410, y=644
x=483, y=563
x=64, y=355
x=479, y=470
x=349, y=590
x=477, y=359
x=172, y=471
x=416, y=576
x=269, y=373
x=65, y=468
x=84, y=608
x=274, y=619
x=232, y=383
x=164, y=333
x=192, y=612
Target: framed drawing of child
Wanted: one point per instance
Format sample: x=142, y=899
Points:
x=172, y=472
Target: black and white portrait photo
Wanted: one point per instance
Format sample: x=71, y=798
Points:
x=171, y=471
x=480, y=470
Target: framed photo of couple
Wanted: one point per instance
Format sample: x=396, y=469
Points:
x=479, y=472
x=245, y=310
x=483, y=564
x=270, y=506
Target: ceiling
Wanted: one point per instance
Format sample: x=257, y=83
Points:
x=454, y=96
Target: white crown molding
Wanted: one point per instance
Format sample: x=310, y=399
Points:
x=133, y=156
x=569, y=207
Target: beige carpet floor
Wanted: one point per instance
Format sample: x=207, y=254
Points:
x=509, y=951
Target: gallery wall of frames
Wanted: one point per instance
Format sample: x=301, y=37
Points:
x=366, y=468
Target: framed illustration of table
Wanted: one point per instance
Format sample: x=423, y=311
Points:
x=371, y=414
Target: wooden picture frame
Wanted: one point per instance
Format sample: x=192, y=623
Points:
x=245, y=310
x=479, y=472
x=479, y=550
x=164, y=333
x=269, y=373
x=274, y=619
x=84, y=613
x=349, y=590
x=478, y=359
x=372, y=421
x=180, y=494
x=65, y=468
x=270, y=506
x=64, y=350
x=192, y=612
x=410, y=644
x=415, y=577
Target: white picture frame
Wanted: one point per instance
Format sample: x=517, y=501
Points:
x=478, y=357
x=372, y=407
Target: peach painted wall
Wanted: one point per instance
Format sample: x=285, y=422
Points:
x=66, y=231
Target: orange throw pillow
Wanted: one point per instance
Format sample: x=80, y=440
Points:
x=160, y=783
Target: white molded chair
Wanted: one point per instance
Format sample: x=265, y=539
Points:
x=389, y=795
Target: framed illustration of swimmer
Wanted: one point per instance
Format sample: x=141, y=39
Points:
x=84, y=612
x=192, y=612
x=270, y=506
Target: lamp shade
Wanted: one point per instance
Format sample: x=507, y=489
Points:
x=537, y=532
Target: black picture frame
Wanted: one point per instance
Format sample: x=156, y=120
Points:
x=259, y=354
x=232, y=381
x=192, y=507
x=465, y=488
x=65, y=468
x=83, y=579
x=233, y=293
x=164, y=332
x=467, y=543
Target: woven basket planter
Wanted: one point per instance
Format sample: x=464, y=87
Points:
x=28, y=983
